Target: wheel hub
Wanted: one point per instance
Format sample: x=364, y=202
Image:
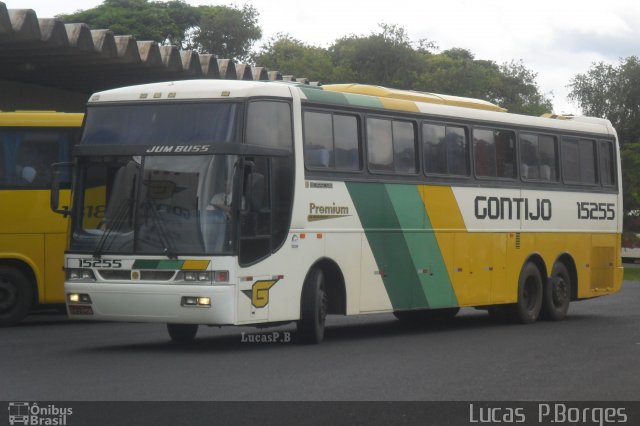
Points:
x=559, y=292
x=7, y=295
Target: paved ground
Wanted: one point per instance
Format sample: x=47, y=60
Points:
x=592, y=355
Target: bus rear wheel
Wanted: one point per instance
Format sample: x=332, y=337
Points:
x=16, y=296
x=313, y=309
x=557, y=294
x=182, y=333
x=530, y=291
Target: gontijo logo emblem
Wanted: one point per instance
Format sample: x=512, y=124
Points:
x=259, y=293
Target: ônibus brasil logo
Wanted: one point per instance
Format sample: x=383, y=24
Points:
x=28, y=413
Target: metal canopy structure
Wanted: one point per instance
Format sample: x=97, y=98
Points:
x=73, y=57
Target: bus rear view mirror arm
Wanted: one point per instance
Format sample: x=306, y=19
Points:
x=56, y=181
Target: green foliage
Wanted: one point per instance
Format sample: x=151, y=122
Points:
x=223, y=31
x=162, y=22
x=227, y=32
x=612, y=92
x=286, y=53
x=386, y=58
x=456, y=72
x=519, y=92
x=630, y=157
x=631, y=274
x=389, y=58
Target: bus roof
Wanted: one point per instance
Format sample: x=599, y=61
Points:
x=40, y=119
x=411, y=95
x=356, y=95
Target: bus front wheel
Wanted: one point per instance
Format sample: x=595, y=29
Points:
x=16, y=295
x=182, y=333
x=557, y=294
x=313, y=309
x=527, y=309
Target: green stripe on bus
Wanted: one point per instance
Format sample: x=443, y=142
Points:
x=324, y=96
x=363, y=101
x=425, y=253
x=388, y=244
x=157, y=264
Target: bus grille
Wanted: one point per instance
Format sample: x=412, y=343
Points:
x=114, y=274
x=125, y=274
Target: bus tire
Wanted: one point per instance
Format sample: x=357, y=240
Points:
x=530, y=289
x=313, y=308
x=182, y=333
x=16, y=296
x=557, y=294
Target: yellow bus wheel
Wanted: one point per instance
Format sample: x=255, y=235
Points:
x=16, y=295
x=527, y=309
x=557, y=294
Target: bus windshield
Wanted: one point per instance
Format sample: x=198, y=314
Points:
x=170, y=205
x=161, y=124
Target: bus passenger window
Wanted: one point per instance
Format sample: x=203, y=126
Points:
x=607, y=169
x=538, y=157
x=445, y=149
x=36, y=151
x=495, y=153
x=380, y=146
x=579, y=161
x=391, y=146
x=318, y=140
x=588, y=162
x=347, y=142
x=404, y=147
x=484, y=152
x=331, y=141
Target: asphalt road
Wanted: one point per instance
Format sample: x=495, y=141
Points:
x=592, y=355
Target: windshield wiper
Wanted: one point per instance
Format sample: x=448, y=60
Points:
x=169, y=249
x=118, y=220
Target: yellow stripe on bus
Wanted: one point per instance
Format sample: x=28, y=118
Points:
x=195, y=265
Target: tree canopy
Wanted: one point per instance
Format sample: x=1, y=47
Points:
x=613, y=92
x=228, y=32
x=388, y=57
x=224, y=31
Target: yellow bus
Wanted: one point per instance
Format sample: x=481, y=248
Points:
x=32, y=237
x=257, y=203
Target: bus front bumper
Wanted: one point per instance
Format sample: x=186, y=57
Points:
x=152, y=303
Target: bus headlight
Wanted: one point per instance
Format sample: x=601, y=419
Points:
x=203, y=277
x=196, y=301
x=80, y=275
x=79, y=298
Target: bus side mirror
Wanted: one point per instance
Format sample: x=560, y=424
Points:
x=61, y=174
x=255, y=191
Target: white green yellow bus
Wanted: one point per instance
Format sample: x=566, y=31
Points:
x=32, y=237
x=257, y=203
